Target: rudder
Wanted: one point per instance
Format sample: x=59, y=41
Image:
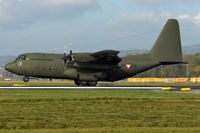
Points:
x=167, y=48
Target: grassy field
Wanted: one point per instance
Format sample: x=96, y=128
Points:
x=38, y=83
x=98, y=111
x=71, y=83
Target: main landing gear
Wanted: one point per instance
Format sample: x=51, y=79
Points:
x=26, y=79
x=85, y=83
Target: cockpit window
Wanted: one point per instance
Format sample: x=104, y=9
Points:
x=21, y=57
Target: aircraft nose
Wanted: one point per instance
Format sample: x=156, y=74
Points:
x=9, y=67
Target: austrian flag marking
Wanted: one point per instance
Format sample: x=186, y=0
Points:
x=128, y=66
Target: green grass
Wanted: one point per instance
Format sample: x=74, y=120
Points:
x=38, y=83
x=71, y=83
x=18, y=95
x=98, y=111
x=106, y=130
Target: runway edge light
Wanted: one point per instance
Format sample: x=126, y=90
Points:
x=166, y=88
x=185, y=89
x=20, y=85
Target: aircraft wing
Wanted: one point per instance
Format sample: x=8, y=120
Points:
x=102, y=57
x=107, y=56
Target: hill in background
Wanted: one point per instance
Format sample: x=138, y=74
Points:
x=193, y=49
x=6, y=59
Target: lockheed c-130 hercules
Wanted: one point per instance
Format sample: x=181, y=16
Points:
x=87, y=69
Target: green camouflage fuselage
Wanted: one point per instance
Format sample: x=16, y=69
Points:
x=52, y=66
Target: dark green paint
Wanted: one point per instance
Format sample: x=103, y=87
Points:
x=104, y=65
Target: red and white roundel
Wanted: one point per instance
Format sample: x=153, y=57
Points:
x=128, y=66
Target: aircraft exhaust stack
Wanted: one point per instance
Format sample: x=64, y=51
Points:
x=167, y=48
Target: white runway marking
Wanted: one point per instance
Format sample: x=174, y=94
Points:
x=81, y=88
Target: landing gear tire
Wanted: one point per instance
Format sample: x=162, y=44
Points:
x=26, y=79
x=80, y=83
x=77, y=82
x=92, y=83
x=85, y=83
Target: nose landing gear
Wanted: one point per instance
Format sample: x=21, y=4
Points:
x=26, y=79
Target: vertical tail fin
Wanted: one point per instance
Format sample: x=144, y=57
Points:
x=167, y=48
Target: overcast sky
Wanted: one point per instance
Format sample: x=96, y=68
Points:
x=92, y=25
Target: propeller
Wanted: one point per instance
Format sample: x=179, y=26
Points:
x=65, y=54
x=68, y=56
x=70, y=53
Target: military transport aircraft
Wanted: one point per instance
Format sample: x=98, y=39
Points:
x=86, y=69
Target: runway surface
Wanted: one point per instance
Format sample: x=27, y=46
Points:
x=194, y=90
x=94, y=88
x=80, y=88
